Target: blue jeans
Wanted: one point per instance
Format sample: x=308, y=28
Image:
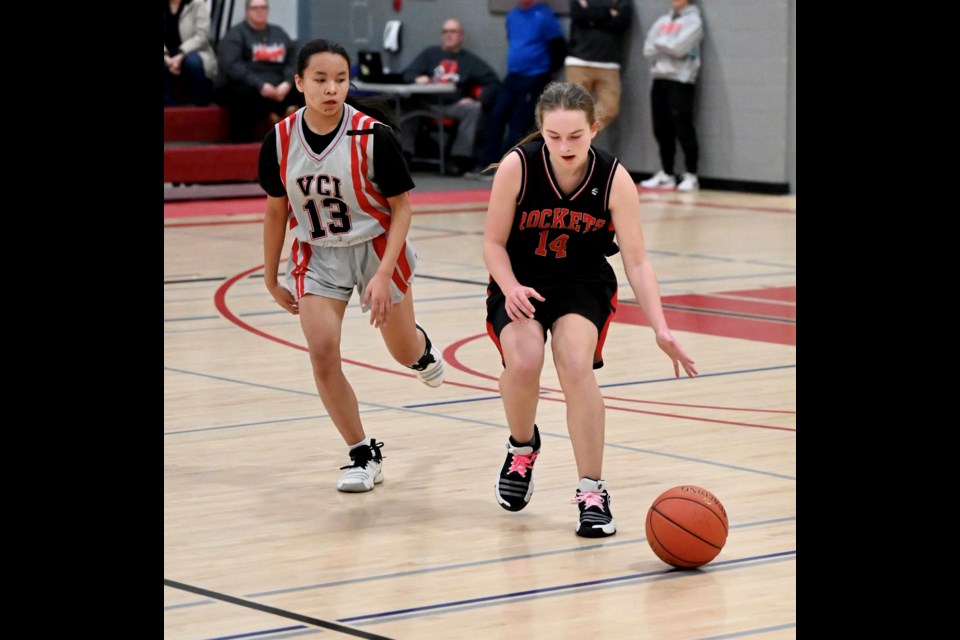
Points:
x=192, y=76
x=513, y=111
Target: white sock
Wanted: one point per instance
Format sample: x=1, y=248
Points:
x=359, y=444
x=587, y=484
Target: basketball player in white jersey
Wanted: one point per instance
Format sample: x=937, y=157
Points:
x=336, y=176
x=556, y=203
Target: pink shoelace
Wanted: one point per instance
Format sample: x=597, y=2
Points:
x=592, y=498
x=521, y=463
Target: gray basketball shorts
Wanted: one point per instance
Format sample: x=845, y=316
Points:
x=334, y=272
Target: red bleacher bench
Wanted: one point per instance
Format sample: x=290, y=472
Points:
x=211, y=163
x=195, y=124
x=196, y=147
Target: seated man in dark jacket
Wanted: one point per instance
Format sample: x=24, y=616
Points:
x=476, y=84
x=257, y=63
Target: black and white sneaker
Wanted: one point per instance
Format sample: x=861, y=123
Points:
x=514, y=485
x=596, y=520
x=429, y=367
x=365, y=468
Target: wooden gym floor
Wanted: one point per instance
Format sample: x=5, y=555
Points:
x=259, y=544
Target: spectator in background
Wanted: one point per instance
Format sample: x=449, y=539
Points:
x=450, y=62
x=257, y=63
x=188, y=56
x=598, y=30
x=673, y=48
x=535, y=49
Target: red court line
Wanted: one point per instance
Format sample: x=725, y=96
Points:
x=713, y=205
x=714, y=325
x=197, y=208
x=767, y=309
x=215, y=223
x=449, y=354
x=700, y=406
x=458, y=196
x=220, y=302
x=783, y=294
x=259, y=220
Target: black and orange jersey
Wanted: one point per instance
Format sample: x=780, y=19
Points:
x=559, y=237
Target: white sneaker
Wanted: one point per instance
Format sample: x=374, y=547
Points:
x=365, y=468
x=430, y=366
x=659, y=180
x=689, y=182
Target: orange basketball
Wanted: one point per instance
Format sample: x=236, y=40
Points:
x=686, y=526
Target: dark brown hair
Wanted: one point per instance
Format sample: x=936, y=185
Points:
x=375, y=107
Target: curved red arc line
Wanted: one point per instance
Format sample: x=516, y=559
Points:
x=220, y=301
x=449, y=354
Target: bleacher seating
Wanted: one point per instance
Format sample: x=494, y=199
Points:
x=196, y=148
x=195, y=124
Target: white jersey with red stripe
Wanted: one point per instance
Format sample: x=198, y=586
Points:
x=334, y=201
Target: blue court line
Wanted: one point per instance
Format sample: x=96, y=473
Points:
x=293, y=320
x=293, y=634
x=194, y=284
x=413, y=407
x=763, y=263
x=351, y=305
x=353, y=301
x=469, y=565
x=727, y=314
x=474, y=421
x=260, y=423
x=545, y=434
x=759, y=263
x=441, y=403
x=313, y=394
x=223, y=327
x=193, y=318
x=270, y=632
x=703, y=256
x=207, y=298
x=711, y=463
x=284, y=319
x=563, y=589
x=734, y=372
x=751, y=632
x=575, y=588
x=217, y=316
x=236, y=381
x=610, y=385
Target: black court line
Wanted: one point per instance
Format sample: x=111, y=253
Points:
x=333, y=626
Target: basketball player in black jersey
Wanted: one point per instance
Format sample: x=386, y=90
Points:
x=556, y=207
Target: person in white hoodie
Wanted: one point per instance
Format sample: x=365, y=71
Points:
x=673, y=48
